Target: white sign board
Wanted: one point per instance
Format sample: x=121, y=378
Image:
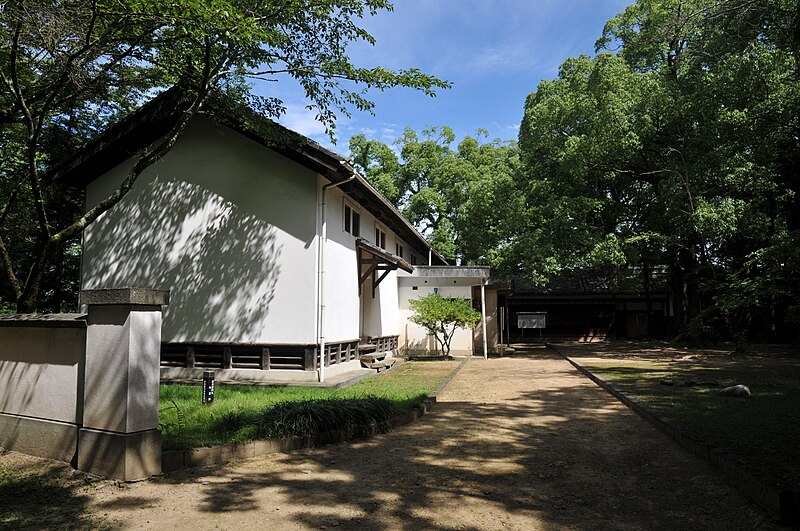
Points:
x=531, y=320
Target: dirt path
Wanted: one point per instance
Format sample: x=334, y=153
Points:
x=522, y=443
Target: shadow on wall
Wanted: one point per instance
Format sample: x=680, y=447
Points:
x=422, y=346
x=219, y=262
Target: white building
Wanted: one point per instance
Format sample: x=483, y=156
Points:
x=277, y=253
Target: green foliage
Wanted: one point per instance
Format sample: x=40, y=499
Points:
x=185, y=422
x=70, y=68
x=768, y=438
x=359, y=417
x=379, y=165
x=676, y=147
x=463, y=199
x=442, y=316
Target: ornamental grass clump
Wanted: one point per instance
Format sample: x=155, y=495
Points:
x=359, y=417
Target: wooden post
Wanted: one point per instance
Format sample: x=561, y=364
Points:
x=190, y=357
x=310, y=359
x=265, y=358
x=227, y=358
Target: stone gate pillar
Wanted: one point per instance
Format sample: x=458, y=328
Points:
x=119, y=436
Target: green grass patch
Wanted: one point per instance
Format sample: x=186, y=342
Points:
x=764, y=428
x=242, y=413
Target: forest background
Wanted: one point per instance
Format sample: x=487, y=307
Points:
x=675, y=147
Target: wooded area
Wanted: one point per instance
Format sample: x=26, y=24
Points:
x=69, y=69
x=675, y=147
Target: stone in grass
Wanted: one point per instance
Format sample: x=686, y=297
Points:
x=667, y=381
x=736, y=390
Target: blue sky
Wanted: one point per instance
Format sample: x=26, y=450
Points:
x=494, y=52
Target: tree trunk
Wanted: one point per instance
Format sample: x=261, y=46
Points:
x=648, y=299
x=685, y=289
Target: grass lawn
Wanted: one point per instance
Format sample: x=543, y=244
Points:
x=186, y=423
x=764, y=429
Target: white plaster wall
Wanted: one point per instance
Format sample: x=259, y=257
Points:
x=341, y=278
x=415, y=338
x=227, y=225
x=39, y=372
x=347, y=316
x=380, y=314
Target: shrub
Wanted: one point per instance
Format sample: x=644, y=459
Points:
x=360, y=417
x=441, y=316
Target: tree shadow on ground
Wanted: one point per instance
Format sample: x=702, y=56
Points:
x=560, y=452
x=38, y=494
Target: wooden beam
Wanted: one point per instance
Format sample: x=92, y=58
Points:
x=380, y=279
x=310, y=359
x=227, y=358
x=363, y=278
x=265, y=358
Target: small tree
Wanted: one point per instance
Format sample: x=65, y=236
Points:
x=441, y=316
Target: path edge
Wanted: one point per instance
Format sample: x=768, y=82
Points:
x=757, y=484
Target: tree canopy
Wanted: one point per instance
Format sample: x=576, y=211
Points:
x=676, y=147
x=69, y=68
x=461, y=198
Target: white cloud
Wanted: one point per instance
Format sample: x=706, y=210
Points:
x=303, y=120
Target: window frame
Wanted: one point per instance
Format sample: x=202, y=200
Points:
x=351, y=224
x=380, y=236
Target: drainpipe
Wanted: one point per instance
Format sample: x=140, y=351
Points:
x=322, y=237
x=430, y=256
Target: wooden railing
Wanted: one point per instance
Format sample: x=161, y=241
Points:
x=219, y=356
x=341, y=352
x=385, y=343
x=263, y=357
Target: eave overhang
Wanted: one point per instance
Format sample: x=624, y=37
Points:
x=376, y=263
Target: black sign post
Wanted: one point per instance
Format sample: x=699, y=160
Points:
x=208, y=387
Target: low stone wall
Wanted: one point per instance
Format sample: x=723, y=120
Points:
x=84, y=388
x=40, y=383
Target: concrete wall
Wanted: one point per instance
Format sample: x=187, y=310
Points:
x=413, y=337
x=84, y=389
x=341, y=278
x=228, y=226
x=41, y=385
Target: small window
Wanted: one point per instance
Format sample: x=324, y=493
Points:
x=398, y=250
x=413, y=259
x=352, y=220
x=380, y=238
